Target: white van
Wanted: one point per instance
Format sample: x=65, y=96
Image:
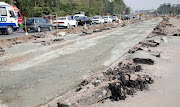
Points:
x=8, y=20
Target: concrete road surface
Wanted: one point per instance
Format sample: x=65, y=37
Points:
x=29, y=85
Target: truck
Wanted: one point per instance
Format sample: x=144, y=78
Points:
x=8, y=20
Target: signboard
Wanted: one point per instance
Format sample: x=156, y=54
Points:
x=124, y=12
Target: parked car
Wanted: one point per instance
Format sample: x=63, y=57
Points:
x=65, y=22
x=83, y=20
x=125, y=17
x=97, y=19
x=78, y=15
x=37, y=23
x=115, y=18
x=107, y=19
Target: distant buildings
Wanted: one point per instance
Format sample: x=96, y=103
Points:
x=168, y=8
x=145, y=12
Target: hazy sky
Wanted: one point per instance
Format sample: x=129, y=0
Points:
x=148, y=4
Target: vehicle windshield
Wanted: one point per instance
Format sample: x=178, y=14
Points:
x=81, y=18
x=76, y=17
x=17, y=14
x=105, y=16
x=3, y=11
x=95, y=17
x=29, y=21
x=62, y=18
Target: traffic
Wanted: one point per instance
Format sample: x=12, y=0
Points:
x=11, y=20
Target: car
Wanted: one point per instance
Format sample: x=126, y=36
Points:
x=115, y=18
x=65, y=22
x=125, y=17
x=107, y=19
x=97, y=20
x=78, y=15
x=37, y=23
x=83, y=20
x=8, y=19
x=178, y=16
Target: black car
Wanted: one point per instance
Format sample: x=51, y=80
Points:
x=37, y=23
x=83, y=20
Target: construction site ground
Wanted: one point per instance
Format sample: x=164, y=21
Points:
x=32, y=74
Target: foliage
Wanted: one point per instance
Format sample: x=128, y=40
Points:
x=37, y=8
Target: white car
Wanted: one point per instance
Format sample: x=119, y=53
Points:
x=97, y=19
x=65, y=22
x=115, y=18
x=77, y=16
x=107, y=19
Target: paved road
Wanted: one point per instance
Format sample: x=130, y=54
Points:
x=21, y=32
x=61, y=70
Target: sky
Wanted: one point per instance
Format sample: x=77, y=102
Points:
x=148, y=4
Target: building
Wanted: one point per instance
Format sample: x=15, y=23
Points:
x=168, y=8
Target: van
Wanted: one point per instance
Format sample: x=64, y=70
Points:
x=8, y=20
x=18, y=16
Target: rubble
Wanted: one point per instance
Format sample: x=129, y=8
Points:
x=156, y=54
x=88, y=32
x=58, y=39
x=116, y=83
x=107, y=28
x=143, y=61
x=149, y=43
x=61, y=34
x=97, y=30
x=164, y=39
x=18, y=41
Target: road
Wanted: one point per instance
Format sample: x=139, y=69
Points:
x=62, y=70
x=21, y=32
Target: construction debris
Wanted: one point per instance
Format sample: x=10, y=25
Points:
x=116, y=83
x=143, y=61
x=149, y=43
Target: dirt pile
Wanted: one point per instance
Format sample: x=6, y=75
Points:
x=165, y=28
x=115, y=83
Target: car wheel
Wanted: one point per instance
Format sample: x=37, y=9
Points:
x=9, y=30
x=75, y=25
x=39, y=29
x=50, y=28
x=68, y=26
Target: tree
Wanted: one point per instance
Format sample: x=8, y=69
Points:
x=38, y=8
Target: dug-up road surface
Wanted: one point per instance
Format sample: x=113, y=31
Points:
x=39, y=80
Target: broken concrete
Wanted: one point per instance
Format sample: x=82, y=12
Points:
x=149, y=44
x=143, y=61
